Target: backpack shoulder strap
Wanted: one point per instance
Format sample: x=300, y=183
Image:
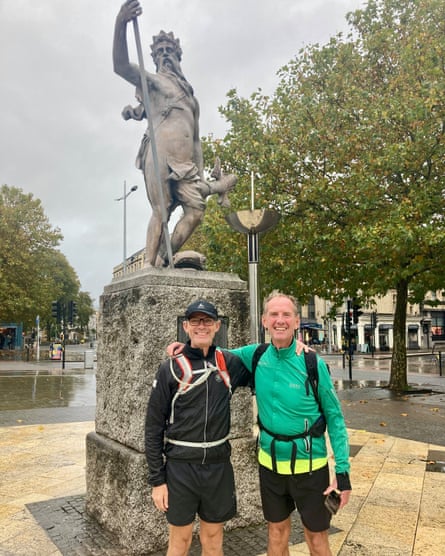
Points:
x=261, y=348
x=186, y=372
x=310, y=359
x=222, y=368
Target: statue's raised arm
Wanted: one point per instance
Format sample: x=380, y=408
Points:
x=121, y=61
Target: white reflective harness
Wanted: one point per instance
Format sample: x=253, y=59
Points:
x=197, y=444
x=185, y=384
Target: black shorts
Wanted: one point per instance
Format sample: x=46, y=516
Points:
x=204, y=489
x=281, y=494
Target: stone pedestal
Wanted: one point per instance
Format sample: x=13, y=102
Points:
x=139, y=318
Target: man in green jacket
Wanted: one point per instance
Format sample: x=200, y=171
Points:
x=294, y=472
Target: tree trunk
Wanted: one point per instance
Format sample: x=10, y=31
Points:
x=398, y=380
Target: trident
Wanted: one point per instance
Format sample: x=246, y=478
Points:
x=146, y=100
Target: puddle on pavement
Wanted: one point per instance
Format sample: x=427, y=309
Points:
x=34, y=390
x=348, y=384
x=363, y=389
x=353, y=390
x=427, y=364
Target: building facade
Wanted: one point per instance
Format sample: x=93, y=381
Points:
x=425, y=324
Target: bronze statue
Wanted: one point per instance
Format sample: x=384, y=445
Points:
x=175, y=120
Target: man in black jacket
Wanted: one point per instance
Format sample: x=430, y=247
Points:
x=186, y=435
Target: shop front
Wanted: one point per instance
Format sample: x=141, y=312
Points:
x=11, y=335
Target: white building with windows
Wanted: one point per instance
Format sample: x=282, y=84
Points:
x=425, y=324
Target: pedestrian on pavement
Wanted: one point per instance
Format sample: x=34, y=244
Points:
x=186, y=435
x=293, y=463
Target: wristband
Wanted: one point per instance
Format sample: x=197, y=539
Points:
x=343, y=481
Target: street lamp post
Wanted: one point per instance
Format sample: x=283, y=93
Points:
x=124, y=198
x=253, y=222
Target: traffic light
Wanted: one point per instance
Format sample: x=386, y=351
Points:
x=72, y=311
x=348, y=317
x=374, y=319
x=356, y=313
x=55, y=310
x=348, y=321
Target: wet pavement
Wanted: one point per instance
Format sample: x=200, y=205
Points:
x=367, y=403
x=397, y=449
x=45, y=384
x=45, y=393
x=41, y=389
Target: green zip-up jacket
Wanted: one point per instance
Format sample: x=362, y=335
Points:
x=287, y=407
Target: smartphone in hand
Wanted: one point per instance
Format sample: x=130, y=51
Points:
x=332, y=502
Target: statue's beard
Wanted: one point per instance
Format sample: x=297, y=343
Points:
x=170, y=65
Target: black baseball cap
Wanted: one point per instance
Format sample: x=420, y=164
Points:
x=201, y=306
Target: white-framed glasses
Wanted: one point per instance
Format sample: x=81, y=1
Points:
x=206, y=321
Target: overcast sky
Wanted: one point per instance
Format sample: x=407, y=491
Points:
x=62, y=136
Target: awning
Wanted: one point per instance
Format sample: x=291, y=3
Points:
x=385, y=326
x=413, y=327
x=313, y=325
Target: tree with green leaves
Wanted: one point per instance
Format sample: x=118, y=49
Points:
x=84, y=311
x=33, y=272
x=351, y=152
